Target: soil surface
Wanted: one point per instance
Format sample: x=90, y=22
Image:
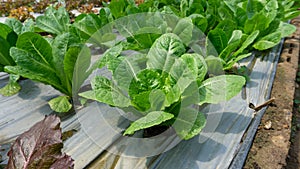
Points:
x=277, y=141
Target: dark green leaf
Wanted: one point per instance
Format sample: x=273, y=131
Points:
x=228, y=26
x=232, y=45
x=200, y=21
x=258, y=22
x=61, y=57
x=249, y=40
x=5, y=58
x=216, y=41
x=118, y=8
x=8, y=34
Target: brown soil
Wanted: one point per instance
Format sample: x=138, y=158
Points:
x=273, y=146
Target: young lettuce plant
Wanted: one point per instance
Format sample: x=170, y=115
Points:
x=52, y=64
x=162, y=87
x=8, y=36
x=40, y=147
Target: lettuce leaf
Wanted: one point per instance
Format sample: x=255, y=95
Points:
x=40, y=147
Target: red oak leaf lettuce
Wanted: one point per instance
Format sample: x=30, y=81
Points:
x=40, y=147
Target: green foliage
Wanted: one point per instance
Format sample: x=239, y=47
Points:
x=164, y=91
x=54, y=21
x=52, y=64
x=12, y=87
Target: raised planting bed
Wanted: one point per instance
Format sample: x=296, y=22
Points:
x=277, y=140
x=215, y=147
x=140, y=90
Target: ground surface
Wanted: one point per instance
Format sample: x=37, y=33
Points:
x=277, y=142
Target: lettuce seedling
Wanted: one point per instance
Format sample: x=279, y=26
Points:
x=162, y=86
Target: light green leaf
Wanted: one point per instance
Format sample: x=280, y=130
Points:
x=28, y=26
x=184, y=30
x=151, y=119
x=286, y=29
x=60, y=104
x=126, y=71
x=19, y=27
x=157, y=100
x=15, y=24
x=173, y=95
x=214, y=65
x=110, y=54
x=90, y=94
x=185, y=70
x=189, y=123
x=268, y=41
x=90, y=27
x=220, y=88
x=148, y=80
x=106, y=92
x=164, y=51
x=12, y=87
x=54, y=21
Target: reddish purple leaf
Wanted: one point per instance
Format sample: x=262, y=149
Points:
x=40, y=147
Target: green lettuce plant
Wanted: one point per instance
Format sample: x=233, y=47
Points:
x=50, y=63
x=162, y=86
x=9, y=32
